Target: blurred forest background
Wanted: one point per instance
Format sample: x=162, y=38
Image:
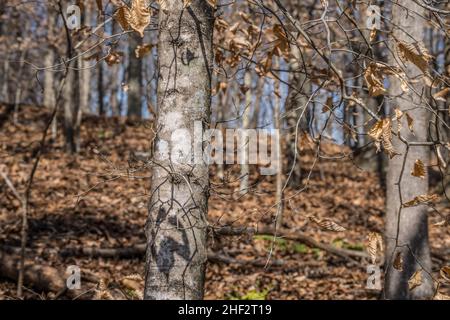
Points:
x=359, y=92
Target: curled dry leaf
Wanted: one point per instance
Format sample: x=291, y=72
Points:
x=418, y=169
x=375, y=242
x=414, y=53
x=440, y=296
x=415, y=280
x=422, y=199
x=441, y=95
x=398, y=262
x=136, y=18
x=375, y=74
x=382, y=134
x=327, y=224
x=142, y=50
x=445, y=273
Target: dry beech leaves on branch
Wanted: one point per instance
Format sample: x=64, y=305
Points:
x=375, y=74
x=415, y=280
x=414, y=53
x=418, y=169
x=375, y=242
x=136, y=18
x=327, y=224
x=382, y=134
x=422, y=199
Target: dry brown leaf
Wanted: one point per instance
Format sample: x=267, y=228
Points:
x=142, y=50
x=415, y=280
x=418, y=169
x=163, y=5
x=422, y=199
x=440, y=296
x=136, y=18
x=387, y=138
x=375, y=74
x=445, y=273
x=398, y=262
x=414, y=53
x=375, y=242
x=441, y=95
x=327, y=224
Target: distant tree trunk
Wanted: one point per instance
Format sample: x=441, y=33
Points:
x=246, y=118
x=296, y=115
x=68, y=111
x=176, y=227
x=100, y=90
x=277, y=149
x=412, y=225
x=135, y=91
x=19, y=86
x=258, y=98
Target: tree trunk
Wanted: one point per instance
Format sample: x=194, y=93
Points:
x=176, y=227
x=246, y=118
x=68, y=112
x=134, y=78
x=296, y=115
x=277, y=149
x=411, y=227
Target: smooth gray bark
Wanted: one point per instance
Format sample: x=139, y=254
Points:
x=176, y=227
x=411, y=228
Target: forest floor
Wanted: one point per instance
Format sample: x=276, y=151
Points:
x=98, y=199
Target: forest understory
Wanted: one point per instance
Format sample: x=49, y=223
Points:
x=98, y=200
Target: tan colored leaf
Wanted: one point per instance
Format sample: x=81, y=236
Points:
x=119, y=16
x=375, y=74
x=414, y=53
x=415, y=280
x=373, y=35
x=327, y=224
x=387, y=138
x=137, y=17
x=398, y=117
x=375, y=242
x=398, y=262
x=445, y=273
x=142, y=50
x=422, y=199
x=418, y=169
x=440, y=296
x=441, y=95
x=328, y=106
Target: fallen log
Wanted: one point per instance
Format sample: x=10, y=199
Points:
x=43, y=278
x=138, y=250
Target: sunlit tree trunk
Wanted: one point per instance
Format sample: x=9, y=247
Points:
x=176, y=227
x=407, y=228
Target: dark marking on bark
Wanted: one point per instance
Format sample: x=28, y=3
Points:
x=187, y=56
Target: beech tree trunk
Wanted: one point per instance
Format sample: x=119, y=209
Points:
x=411, y=227
x=176, y=227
